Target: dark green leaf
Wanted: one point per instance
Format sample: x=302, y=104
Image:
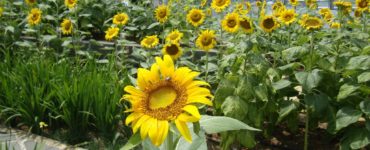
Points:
x=346, y=116
x=346, y=90
x=364, y=77
x=281, y=84
x=359, y=62
x=309, y=80
x=132, y=142
x=234, y=107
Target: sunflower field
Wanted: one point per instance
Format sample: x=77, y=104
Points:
x=188, y=75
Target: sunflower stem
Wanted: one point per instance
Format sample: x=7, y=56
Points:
x=306, y=129
x=206, y=76
x=311, y=51
x=170, y=144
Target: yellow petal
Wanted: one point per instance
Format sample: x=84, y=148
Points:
x=189, y=78
x=153, y=131
x=195, y=84
x=199, y=99
x=191, y=109
x=154, y=76
x=162, y=132
x=166, y=66
x=199, y=92
x=142, y=75
x=144, y=130
x=133, y=117
x=133, y=91
x=137, y=125
x=181, y=73
x=187, y=118
x=183, y=129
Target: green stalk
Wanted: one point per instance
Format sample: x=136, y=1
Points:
x=306, y=129
x=170, y=144
x=206, y=66
x=311, y=51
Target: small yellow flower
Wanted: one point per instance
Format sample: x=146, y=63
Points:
x=268, y=23
x=246, y=24
x=259, y=3
x=162, y=13
x=165, y=94
x=231, y=22
x=30, y=2
x=328, y=17
x=362, y=5
x=277, y=5
x=204, y=2
x=111, y=33
x=248, y=6
x=288, y=16
x=70, y=3
x=67, y=27
x=174, y=37
x=220, y=5
x=345, y=7
x=173, y=49
x=34, y=17
x=324, y=11
x=335, y=25
x=150, y=41
x=206, y=40
x=195, y=17
x=311, y=23
x=358, y=13
x=1, y=11
x=120, y=19
x=312, y=4
x=43, y=125
x=293, y=2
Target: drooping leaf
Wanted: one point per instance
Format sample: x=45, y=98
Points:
x=360, y=62
x=132, y=142
x=285, y=109
x=309, y=80
x=294, y=53
x=364, y=77
x=346, y=90
x=281, y=84
x=216, y=124
x=346, y=116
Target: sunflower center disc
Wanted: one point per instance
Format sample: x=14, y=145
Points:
x=245, y=24
x=268, y=23
x=172, y=49
x=162, y=97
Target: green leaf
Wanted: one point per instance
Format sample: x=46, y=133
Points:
x=360, y=139
x=281, y=84
x=234, y=107
x=363, y=77
x=217, y=124
x=309, y=80
x=318, y=103
x=286, y=108
x=48, y=38
x=226, y=88
x=153, y=25
x=346, y=90
x=294, y=53
x=261, y=92
x=9, y=28
x=246, y=138
x=365, y=107
x=360, y=62
x=346, y=116
x=132, y=142
x=199, y=142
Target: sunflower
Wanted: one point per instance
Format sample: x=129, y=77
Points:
x=324, y=11
x=345, y=7
x=268, y=23
x=70, y=3
x=358, y=13
x=206, y=40
x=150, y=41
x=220, y=5
x=335, y=25
x=161, y=13
x=203, y=3
x=277, y=5
x=311, y=4
x=174, y=50
x=362, y=5
x=165, y=94
x=328, y=17
x=248, y=6
x=111, y=33
x=288, y=16
x=293, y=2
x=30, y=2
x=311, y=23
x=277, y=13
x=34, y=17
x=174, y=36
x=258, y=3
x=246, y=24
x=67, y=27
x=195, y=17
x=231, y=22
x=120, y=19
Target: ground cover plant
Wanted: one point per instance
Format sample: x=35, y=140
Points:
x=197, y=74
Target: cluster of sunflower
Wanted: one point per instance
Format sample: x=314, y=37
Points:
x=119, y=20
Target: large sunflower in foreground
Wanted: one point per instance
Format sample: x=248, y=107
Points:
x=195, y=17
x=34, y=17
x=362, y=5
x=288, y=16
x=231, y=22
x=165, y=94
x=120, y=19
x=246, y=24
x=206, y=40
x=162, y=13
x=30, y=2
x=111, y=33
x=70, y=3
x=311, y=23
x=174, y=50
x=268, y=23
x=174, y=37
x=220, y=5
x=150, y=41
x=67, y=26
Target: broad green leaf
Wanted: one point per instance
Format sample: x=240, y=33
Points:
x=234, y=107
x=364, y=77
x=217, y=124
x=346, y=116
x=346, y=90
x=360, y=139
x=365, y=107
x=132, y=142
x=226, y=88
x=285, y=109
x=309, y=80
x=294, y=53
x=261, y=92
x=9, y=28
x=48, y=38
x=281, y=84
x=359, y=62
x=153, y=25
x=199, y=142
x=318, y=103
x=246, y=138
